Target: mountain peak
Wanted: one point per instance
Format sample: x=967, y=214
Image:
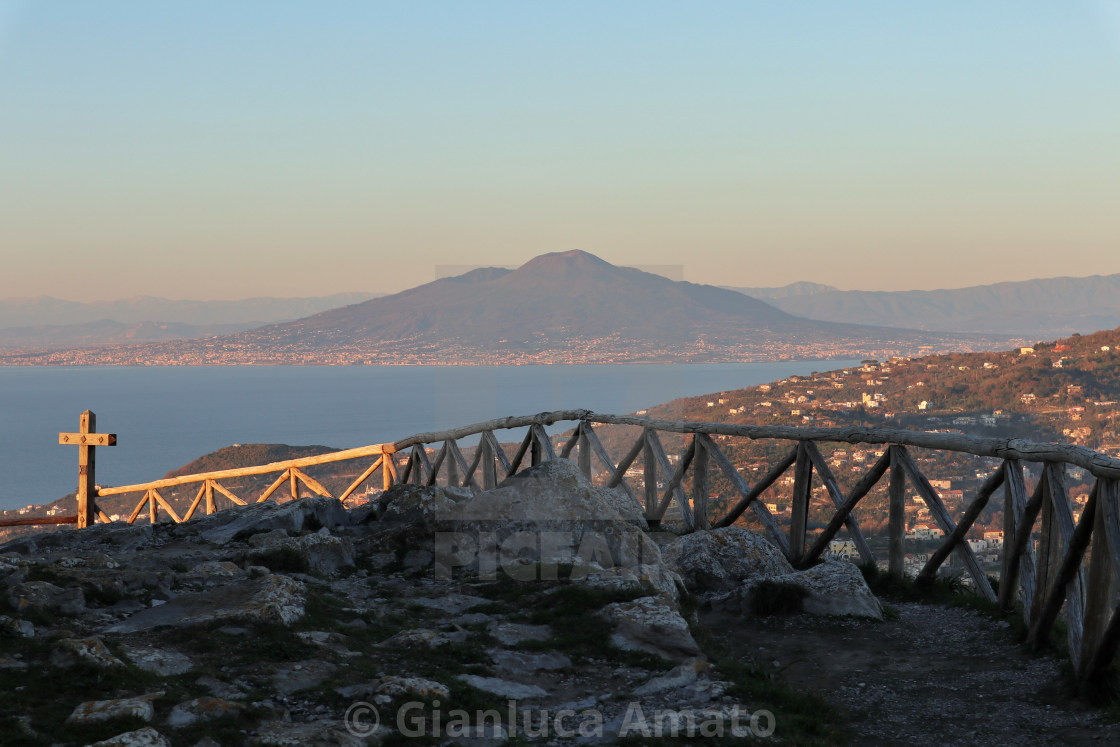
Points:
x=565, y=262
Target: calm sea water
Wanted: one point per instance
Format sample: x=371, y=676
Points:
x=165, y=417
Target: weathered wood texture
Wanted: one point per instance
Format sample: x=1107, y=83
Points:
x=802, y=492
x=896, y=509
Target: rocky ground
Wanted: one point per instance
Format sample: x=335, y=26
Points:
x=542, y=611
x=928, y=675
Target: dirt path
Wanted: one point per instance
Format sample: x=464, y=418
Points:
x=932, y=676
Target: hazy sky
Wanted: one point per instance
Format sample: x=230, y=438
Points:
x=230, y=149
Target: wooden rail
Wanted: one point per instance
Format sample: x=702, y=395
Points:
x=1045, y=582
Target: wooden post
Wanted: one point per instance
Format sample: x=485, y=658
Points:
x=897, y=516
x=802, y=491
x=86, y=440
x=700, y=483
x=452, y=465
x=489, y=472
x=535, y=450
x=584, y=450
x=1014, y=501
x=1049, y=551
x=1102, y=621
x=388, y=471
x=649, y=476
x=1067, y=588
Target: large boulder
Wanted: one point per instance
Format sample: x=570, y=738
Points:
x=321, y=552
x=43, y=596
x=411, y=504
x=721, y=559
x=406, y=525
x=831, y=588
x=306, y=514
x=549, y=514
x=653, y=625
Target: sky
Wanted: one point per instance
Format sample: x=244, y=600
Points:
x=212, y=150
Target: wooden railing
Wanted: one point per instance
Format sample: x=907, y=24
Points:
x=1057, y=576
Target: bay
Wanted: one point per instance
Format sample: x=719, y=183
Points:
x=166, y=416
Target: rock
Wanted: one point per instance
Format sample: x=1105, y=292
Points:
x=268, y=538
x=833, y=588
x=96, y=711
x=302, y=675
x=676, y=678
x=421, y=637
x=721, y=559
x=71, y=651
x=7, y=662
x=412, y=504
x=318, y=637
x=19, y=628
x=407, y=524
x=293, y=516
x=451, y=604
x=221, y=689
x=422, y=688
x=146, y=737
x=651, y=579
x=503, y=688
x=653, y=625
x=288, y=734
x=563, y=476
x=512, y=662
x=323, y=552
x=275, y=598
x=214, y=569
x=157, y=661
x=199, y=710
x=511, y=634
x=549, y=514
x=43, y=596
x=388, y=687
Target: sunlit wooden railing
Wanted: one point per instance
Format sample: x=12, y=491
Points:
x=1045, y=582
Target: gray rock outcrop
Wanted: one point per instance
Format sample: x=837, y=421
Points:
x=722, y=559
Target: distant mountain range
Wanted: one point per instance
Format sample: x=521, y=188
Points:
x=560, y=307
x=53, y=323
x=1047, y=308
x=108, y=332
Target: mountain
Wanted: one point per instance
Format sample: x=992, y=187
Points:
x=561, y=307
x=785, y=291
x=108, y=332
x=1039, y=308
x=46, y=311
x=570, y=294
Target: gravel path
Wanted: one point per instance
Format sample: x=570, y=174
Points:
x=932, y=676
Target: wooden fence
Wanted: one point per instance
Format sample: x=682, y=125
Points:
x=1046, y=580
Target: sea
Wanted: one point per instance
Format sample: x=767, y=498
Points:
x=164, y=417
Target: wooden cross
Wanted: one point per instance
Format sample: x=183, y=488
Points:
x=85, y=439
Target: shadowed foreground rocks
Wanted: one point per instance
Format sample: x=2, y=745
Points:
x=544, y=609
